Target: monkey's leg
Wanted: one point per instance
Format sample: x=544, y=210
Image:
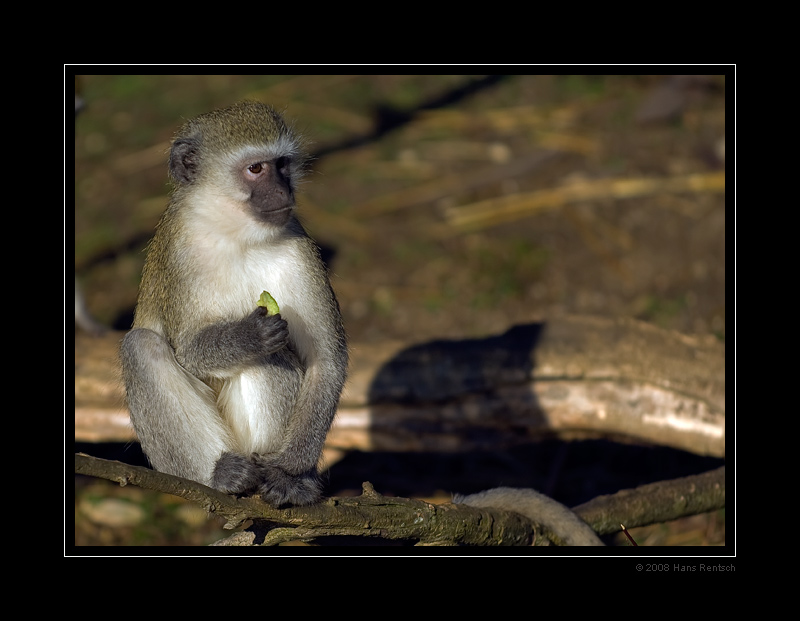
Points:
x=174, y=414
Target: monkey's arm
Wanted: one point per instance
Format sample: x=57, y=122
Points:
x=314, y=414
x=322, y=346
x=222, y=349
x=554, y=516
x=316, y=405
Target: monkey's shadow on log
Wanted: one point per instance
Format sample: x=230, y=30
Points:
x=443, y=371
x=458, y=395
x=469, y=406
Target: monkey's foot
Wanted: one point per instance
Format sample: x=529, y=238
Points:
x=240, y=475
x=236, y=474
x=279, y=488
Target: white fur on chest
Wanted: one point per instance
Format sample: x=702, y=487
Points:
x=238, y=278
x=237, y=258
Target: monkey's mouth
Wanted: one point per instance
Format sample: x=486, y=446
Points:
x=275, y=210
x=275, y=215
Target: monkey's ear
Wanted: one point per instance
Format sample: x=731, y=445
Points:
x=183, y=164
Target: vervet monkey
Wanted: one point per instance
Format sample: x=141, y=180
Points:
x=219, y=391
x=560, y=520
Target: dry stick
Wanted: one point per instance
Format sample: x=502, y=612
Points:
x=509, y=208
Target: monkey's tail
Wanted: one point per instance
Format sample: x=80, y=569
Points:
x=554, y=516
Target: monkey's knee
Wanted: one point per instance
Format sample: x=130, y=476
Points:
x=142, y=348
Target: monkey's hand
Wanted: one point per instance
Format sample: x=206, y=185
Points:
x=240, y=475
x=271, y=332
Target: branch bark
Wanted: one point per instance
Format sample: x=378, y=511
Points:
x=374, y=515
x=656, y=502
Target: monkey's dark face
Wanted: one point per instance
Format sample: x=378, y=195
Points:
x=269, y=184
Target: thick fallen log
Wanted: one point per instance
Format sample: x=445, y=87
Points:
x=573, y=377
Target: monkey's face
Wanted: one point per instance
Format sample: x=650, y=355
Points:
x=269, y=183
x=245, y=154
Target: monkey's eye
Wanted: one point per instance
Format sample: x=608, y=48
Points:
x=256, y=168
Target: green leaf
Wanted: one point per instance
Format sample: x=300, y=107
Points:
x=269, y=303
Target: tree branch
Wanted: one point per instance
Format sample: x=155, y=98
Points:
x=656, y=502
x=375, y=515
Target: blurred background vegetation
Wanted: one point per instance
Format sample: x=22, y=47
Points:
x=447, y=207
